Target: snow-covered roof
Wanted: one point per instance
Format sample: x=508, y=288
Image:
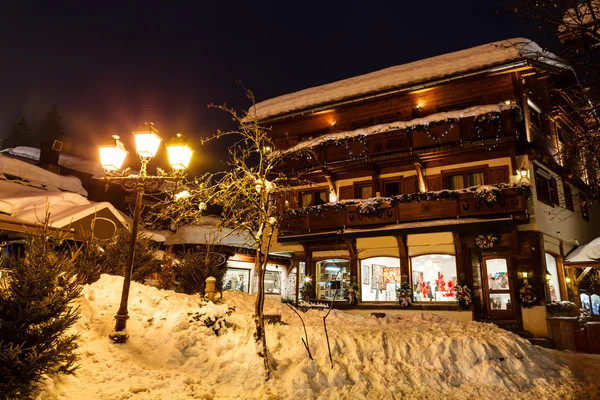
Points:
x=32, y=175
x=588, y=253
x=29, y=204
x=469, y=60
x=208, y=233
x=64, y=160
x=399, y=125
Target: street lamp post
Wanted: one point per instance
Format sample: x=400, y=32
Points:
x=111, y=157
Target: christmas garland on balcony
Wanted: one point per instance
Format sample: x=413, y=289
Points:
x=373, y=206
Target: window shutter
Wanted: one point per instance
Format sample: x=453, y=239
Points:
x=409, y=184
x=554, y=192
x=498, y=175
x=434, y=183
x=346, y=192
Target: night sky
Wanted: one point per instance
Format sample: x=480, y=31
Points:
x=113, y=65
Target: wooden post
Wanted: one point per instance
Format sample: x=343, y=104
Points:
x=403, y=254
x=210, y=287
x=420, y=178
x=513, y=251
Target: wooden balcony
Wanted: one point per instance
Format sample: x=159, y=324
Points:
x=464, y=130
x=454, y=205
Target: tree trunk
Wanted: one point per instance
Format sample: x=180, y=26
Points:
x=259, y=317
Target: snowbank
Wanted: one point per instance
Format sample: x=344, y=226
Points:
x=170, y=355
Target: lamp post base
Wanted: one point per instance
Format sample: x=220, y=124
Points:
x=119, y=335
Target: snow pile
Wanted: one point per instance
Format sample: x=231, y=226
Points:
x=39, y=177
x=29, y=204
x=170, y=355
x=64, y=160
x=475, y=58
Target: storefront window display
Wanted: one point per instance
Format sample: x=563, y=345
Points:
x=237, y=279
x=380, y=277
x=272, y=282
x=498, y=284
x=433, y=277
x=333, y=276
x=552, y=269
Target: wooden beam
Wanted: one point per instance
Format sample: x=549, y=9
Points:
x=331, y=182
x=583, y=275
x=403, y=255
x=353, y=253
x=420, y=178
x=375, y=179
x=460, y=259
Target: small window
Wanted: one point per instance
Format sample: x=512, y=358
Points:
x=535, y=115
x=313, y=198
x=386, y=119
x=584, y=207
x=365, y=123
x=568, y=197
x=464, y=179
x=391, y=188
x=546, y=187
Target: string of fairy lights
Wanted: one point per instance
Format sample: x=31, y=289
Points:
x=481, y=130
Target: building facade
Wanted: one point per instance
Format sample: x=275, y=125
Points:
x=440, y=172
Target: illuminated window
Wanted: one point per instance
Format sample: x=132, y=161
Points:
x=379, y=278
x=272, y=282
x=314, y=198
x=433, y=277
x=552, y=269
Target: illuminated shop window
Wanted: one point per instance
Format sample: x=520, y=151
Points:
x=433, y=277
x=237, y=279
x=272, y=282
x=333, y=277
x=379, y=278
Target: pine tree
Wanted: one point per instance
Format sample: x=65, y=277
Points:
x=114, y=259
x=50, y=127
x=19, y=134
x=35, y=314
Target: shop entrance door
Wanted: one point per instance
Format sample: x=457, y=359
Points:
x=497, y=294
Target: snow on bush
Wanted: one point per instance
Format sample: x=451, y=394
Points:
x=419, y=355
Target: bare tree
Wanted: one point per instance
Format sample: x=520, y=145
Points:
x=249, y=196
x=571, y=29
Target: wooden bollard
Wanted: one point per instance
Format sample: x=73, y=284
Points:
x=210, y=287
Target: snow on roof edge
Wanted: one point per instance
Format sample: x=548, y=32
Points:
x=471, y=59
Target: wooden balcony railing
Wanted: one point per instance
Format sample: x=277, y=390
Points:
x=390, y=211
x=463, y=130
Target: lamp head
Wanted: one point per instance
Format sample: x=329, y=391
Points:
x=147, y=140
x=180, y=153
x=112, y=155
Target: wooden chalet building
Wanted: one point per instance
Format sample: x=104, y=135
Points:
x=435, y=172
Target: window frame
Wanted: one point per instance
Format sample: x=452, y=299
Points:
x=568, y=194
x=396, y=179
x=484, y=168
x=358, y=185
x=540, y=174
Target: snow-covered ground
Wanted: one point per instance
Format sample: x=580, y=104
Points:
x=170, y=355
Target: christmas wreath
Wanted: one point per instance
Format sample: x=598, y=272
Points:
x=527, y=295
x=485, y=241
x=404, y=295
x=488, y=195
x=463, y=295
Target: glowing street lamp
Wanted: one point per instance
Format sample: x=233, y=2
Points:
x=180, y=153
x=111, y=158
x=112, y=155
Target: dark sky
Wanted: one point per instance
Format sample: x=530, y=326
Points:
x=110, y=66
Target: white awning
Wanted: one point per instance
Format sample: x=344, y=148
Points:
x=588, y=253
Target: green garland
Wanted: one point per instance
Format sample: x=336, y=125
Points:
x=374, y=206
